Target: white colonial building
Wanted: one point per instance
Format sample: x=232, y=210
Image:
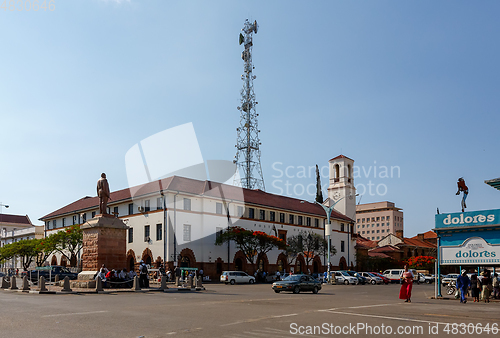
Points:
x=176, y=220
x=14, y=228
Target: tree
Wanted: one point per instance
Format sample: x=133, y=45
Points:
x=25, y=249
x=67, y=242
x=421, y=262
x=45, y=248
x=309, y=244
x=251, y=243
x=319, y=192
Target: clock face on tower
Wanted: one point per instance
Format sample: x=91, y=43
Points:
x=336, y=195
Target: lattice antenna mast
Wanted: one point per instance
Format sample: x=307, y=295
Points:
x=248, y=144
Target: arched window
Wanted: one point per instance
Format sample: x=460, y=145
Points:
x=337, y=172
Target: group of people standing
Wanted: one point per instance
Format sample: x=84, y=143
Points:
x=116, y=278
x=481, y=287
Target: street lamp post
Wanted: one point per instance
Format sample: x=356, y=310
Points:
x=328, y=229
x=3, y=205
x=228, y=226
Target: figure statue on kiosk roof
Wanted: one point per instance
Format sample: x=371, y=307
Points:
x=462, y=188
x=103, y=193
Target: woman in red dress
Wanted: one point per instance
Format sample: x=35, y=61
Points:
x=405, y=291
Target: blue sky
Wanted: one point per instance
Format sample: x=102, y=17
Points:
x=410, y=84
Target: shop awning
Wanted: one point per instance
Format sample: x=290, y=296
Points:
x=495, y=183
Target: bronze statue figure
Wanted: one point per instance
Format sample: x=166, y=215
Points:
x=103, y=193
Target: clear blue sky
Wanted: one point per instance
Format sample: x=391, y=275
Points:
x=412, y=84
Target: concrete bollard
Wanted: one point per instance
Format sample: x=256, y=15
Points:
x=190, y=281
x=177, y=281
x=199, y=282
x=26, y=284
x=56, y=279
x=136, y=286
x=163, y=283
x=98, y=286
x=5, y=284
x=13, y=283
x=41, y=284
x=66, y=286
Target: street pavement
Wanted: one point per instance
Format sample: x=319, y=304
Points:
x=245, y=311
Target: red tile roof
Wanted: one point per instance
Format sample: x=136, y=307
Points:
x=378, y=254
x=201, y=188
x=341, y=156
x=385, y=248
x=15, y=219
x=417, y=242
x=365, y=243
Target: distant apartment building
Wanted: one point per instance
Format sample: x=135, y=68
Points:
x=15, y=228
x=374, y=221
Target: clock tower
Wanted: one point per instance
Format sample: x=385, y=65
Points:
x=341, y=188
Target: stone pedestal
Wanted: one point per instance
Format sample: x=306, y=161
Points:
x=104, y=242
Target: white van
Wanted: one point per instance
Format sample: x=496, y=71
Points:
x=395, y=274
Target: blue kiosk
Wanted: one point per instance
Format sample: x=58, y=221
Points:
x=469, y=239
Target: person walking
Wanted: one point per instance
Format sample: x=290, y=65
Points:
x=143, y=275
x=475, y=286
x=463, y=283
x=405, y=291
x=496, y=286
x=487, y=286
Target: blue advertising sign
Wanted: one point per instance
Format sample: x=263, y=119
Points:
x=468, y=219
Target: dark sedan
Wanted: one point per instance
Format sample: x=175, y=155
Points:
x=297, y=283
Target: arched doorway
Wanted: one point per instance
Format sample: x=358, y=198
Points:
x=281, y=263
x=64, y=261
x=185, y=262
x=187, y=259
x=131, y=263
x=315, y=267
x=342, y=263
x=300, y=264
x=53, y=261
x=147, y=256
x=218, y=266
x=238, y=264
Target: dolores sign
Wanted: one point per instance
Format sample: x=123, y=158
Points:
x=474, y=250
x=468, y=219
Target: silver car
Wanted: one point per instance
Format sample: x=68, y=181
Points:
x=233, y=277
x=371, y=278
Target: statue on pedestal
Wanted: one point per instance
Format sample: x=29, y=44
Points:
x=103, y=193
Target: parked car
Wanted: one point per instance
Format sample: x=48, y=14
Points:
x=427, y=279
x=371, y=278
x=50, y=272
x=272, y=277
x=449, y=277
x=362, y=280
x=233, y=277
x=342, y=277
x=395, y=275
x=384, y=279
x=297, y=283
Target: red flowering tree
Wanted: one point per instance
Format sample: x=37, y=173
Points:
x=68, y=242
x=251, y=243
x=421, y=262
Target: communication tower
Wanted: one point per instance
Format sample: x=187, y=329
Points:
x=248, y=143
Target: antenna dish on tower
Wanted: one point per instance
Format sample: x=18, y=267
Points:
x=242, y=38
x=255, y=26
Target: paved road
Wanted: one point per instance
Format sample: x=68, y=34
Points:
x=240, y=311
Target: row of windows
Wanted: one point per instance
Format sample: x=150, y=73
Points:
x=147, y=233
x=373, y=225
x=373, y=231
x=375, y=219
x=292, y=219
